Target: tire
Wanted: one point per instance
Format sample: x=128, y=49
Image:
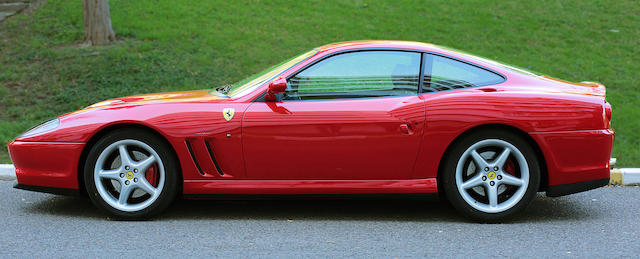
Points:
x=148, y=177
x=475, y=188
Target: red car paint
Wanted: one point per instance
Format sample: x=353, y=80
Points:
x=377, y=145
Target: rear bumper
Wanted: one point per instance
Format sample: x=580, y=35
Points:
x=46, y=164
x=566, y=189
x=576, y=160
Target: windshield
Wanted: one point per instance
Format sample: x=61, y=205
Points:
x=250, y=83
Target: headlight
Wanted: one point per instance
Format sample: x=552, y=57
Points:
x=42, y=128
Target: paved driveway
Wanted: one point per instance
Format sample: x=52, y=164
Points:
x=602, y=222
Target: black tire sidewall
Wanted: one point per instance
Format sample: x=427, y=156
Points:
x=169, y=190
x=448, y=181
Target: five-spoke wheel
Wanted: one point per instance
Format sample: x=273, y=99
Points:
x=490, y=175
x=131, y=174
x=501, y=184
x=117, y=174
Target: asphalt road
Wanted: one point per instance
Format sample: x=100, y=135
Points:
x=602, y=222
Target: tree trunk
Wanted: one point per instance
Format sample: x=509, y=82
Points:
x=97, y=22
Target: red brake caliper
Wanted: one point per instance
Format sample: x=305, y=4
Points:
x=509, y=168
x=151, y=175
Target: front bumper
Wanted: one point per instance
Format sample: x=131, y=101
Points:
x=52, y=190
x=46, y=164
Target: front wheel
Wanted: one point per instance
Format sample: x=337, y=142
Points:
x=131, y=174
x=490, y=175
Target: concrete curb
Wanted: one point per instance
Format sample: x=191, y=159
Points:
x=7, y=172
x=619, y=176
x=612, y=162
x=625, y=176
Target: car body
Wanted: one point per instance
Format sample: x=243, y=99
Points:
x=358, y=140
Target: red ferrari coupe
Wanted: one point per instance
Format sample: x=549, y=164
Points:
x=367, y=117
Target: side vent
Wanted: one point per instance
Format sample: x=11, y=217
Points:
x=213, y=158
x=195, y=161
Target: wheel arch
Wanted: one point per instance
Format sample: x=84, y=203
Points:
x=106, y=130
x=544, y=177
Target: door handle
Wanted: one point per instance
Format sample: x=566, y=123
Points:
x=488, y=89
x=406, y=129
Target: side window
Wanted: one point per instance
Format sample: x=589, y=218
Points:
x=442, y=73
x=357, y=75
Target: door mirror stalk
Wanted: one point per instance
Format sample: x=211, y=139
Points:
x=277, y=86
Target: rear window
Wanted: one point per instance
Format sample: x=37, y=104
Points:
x=441, y=74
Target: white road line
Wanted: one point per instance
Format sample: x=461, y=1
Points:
x=7, y=172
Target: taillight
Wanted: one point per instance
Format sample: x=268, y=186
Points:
x=607, y=113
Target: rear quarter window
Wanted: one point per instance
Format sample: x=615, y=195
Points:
x=442, y=73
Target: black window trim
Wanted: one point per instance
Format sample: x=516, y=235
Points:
x=423, y=57
x=421, y=73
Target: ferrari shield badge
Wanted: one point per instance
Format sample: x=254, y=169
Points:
x=228, y=113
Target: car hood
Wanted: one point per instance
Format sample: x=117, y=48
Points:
x=195, y=95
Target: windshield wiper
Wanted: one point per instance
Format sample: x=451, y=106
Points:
x=223, y=89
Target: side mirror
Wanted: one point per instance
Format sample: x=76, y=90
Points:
x=277, y=86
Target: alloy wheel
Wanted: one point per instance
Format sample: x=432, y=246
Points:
x=129, y=175
x=492, y=175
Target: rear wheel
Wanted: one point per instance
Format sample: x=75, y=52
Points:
x=131, y=174
x=490, y=175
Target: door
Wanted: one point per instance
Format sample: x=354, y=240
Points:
x=354, y=115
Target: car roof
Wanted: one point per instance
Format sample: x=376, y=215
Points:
x=380, y=44
x=422, y=46
x=413, y=45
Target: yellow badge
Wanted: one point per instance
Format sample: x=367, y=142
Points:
x=228, y=113
x=129, y=175
x=491, y=175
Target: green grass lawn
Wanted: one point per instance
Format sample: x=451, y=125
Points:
x=167, y=45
